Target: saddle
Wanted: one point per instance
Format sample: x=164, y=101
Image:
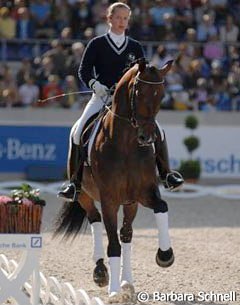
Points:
x=89, y=133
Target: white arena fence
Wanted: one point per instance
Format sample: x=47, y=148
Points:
x=52, y=292
x=188, y=191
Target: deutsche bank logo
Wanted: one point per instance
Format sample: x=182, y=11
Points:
x=36, y=242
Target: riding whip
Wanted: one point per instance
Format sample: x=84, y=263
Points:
x=64, y=94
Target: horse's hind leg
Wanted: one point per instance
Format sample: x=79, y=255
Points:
x=164, y=256
x=129, y=213
x=100, y=273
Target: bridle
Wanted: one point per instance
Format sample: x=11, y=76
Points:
x=133, y=119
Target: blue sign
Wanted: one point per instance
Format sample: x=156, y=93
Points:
x=24, y=146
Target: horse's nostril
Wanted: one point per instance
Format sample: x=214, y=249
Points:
x=142, y=138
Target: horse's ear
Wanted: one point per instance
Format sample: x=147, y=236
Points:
x=168, y=65
x=141, y=64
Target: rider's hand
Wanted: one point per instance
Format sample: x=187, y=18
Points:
x=99, y=89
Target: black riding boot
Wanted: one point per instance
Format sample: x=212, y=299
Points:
x=74, y=187
x=170, y=180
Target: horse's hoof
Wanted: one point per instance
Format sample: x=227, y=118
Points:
x=165, y=258
x=115, y=297
x=100, y=274
x=128, y=292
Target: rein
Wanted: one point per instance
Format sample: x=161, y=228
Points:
x=133, y=119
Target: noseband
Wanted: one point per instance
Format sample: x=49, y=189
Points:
x=133, y=118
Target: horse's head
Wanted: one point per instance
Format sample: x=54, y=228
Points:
x=146, y=90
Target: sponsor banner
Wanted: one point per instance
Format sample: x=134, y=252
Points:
x=24, y=146
x=219, y=150
x=20, y=241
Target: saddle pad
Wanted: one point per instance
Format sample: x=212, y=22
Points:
x=92, y=138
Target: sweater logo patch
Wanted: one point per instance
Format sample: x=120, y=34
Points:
x=131, y=57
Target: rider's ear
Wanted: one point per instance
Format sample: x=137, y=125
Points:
x=166, y=67
x=141, y=64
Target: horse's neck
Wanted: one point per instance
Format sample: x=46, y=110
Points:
x=121, y=132
x=120, y=104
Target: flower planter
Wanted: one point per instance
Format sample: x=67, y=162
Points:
x=21, y=212
x=20, y=218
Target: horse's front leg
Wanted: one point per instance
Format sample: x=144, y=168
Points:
x=164, y=256
x=129, y=213
x=109, y=213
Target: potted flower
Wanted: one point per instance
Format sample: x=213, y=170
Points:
x=21, y=211
x=191, y=168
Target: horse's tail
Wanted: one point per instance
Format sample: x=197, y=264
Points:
x=71, y=220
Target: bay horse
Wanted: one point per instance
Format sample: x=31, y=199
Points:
x=122, y=172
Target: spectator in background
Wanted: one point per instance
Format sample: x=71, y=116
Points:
x=28, y=92
x=24, y=71
x=183, y=18
x=41, y=14
x=8, y=87
x=66, y=33
x=234, y=84
x=88, y=34
x=200, y=94
x=102, y=27
x=74, y=60
x=222, y=98
x=206, y=27
x=16, y=5
x=99, y=10
x=81, y=18
x=229, y=31
x=7, y=24
x=194, y=72
x=213, y=49
x=157, y=12
x=70, y=86
x=193, y=49
x=220, y=9
x=160, y=57
x=59, y=55
x=45, y=69
x=62, y=15
x=25, y=27
x=52, y=88
x=184, y=58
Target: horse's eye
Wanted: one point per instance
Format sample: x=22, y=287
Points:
x=137, y=92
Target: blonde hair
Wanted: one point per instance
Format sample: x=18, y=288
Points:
x=116, y=5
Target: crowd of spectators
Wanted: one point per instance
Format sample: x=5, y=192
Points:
x=201, y=35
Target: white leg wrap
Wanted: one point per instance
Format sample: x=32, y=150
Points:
x=126, y=263
x=98, y=250
x=163, y=234
x=114, y=279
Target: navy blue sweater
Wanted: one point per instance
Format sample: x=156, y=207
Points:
x=103, y=60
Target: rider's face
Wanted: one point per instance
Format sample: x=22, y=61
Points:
x=119, y=20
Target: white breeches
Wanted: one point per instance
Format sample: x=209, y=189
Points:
x=93, y=106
